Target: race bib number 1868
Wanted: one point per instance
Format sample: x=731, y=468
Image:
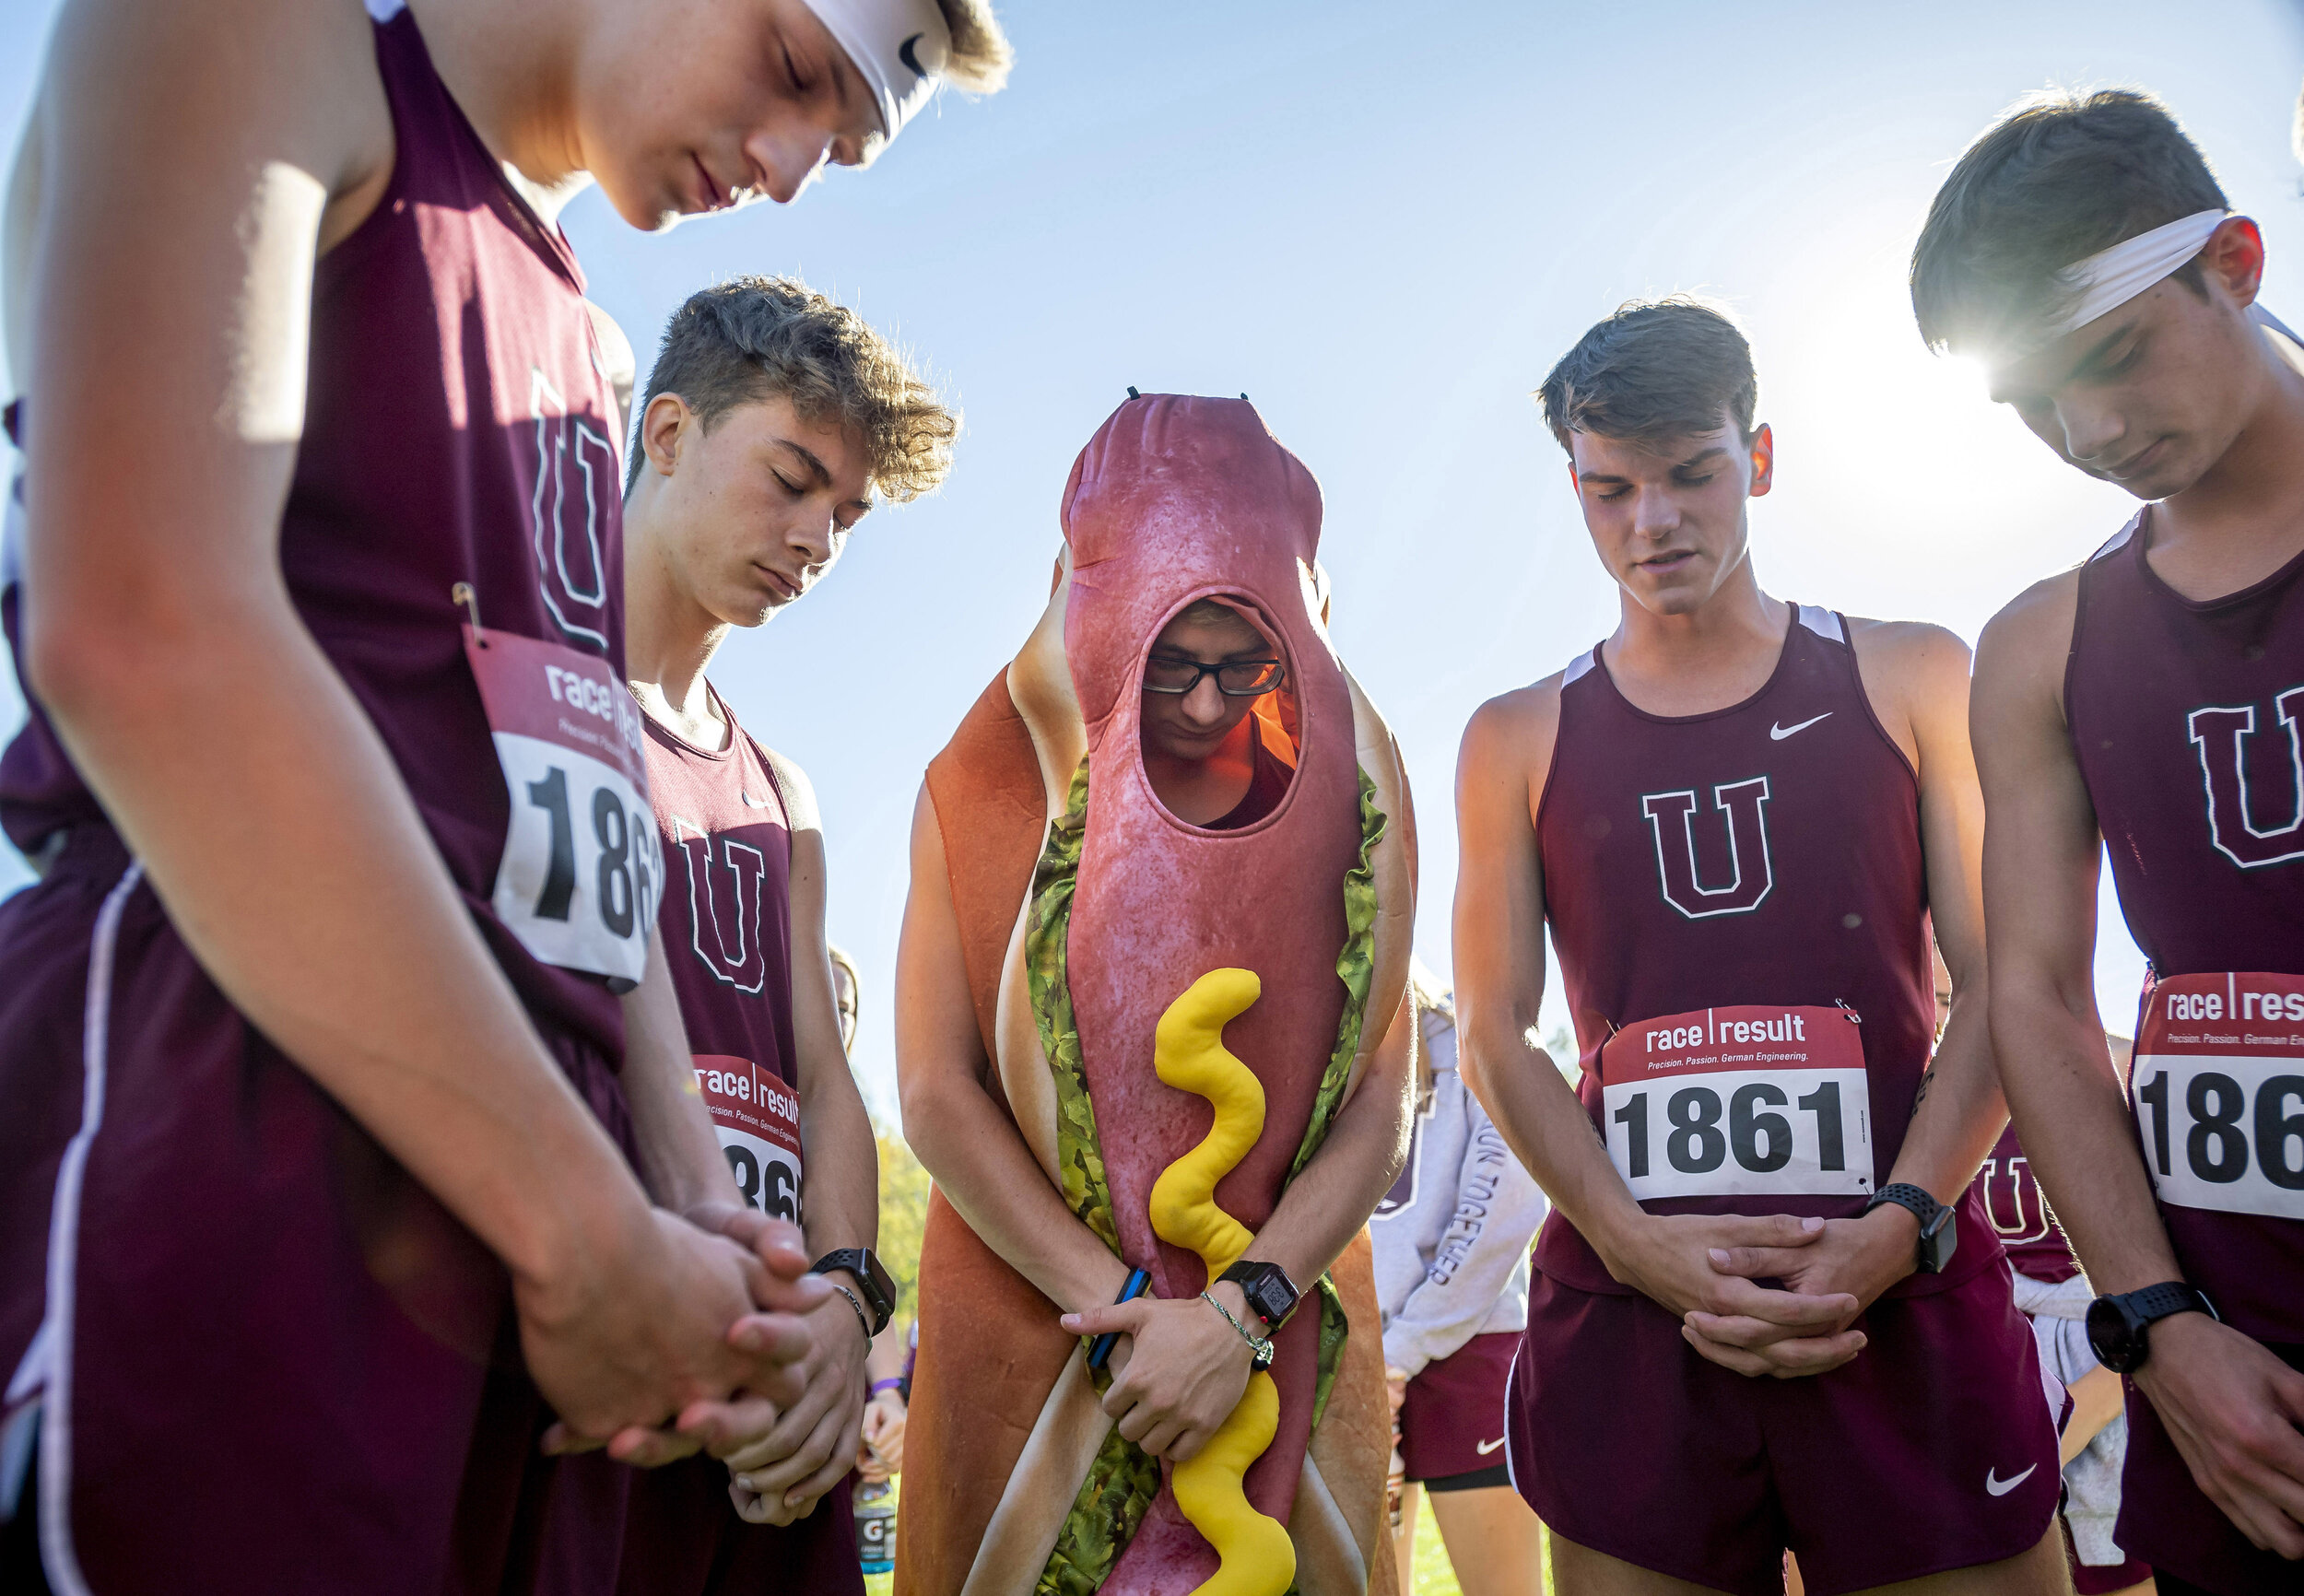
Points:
x=1742, y=1100
x=2218, y=1089
x=578, y=883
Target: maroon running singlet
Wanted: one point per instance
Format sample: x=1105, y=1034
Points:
x=726, y=837
x=2185, y=721
x=1739, y=903
x=2017, y=1210
x=203, y=1258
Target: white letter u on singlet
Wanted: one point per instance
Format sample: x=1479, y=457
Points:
x=1743, y=808
x=2220, y=735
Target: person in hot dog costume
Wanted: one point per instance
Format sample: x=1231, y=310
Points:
x=1167, y=862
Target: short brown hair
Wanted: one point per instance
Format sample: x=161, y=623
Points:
x=981, y=52
x=750, y=338
x=1655, y=369
x=2059, y=177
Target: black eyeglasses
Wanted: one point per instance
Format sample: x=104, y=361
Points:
x=1234, y=678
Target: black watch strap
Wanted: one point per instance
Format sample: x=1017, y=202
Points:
x=1938, y=1233
x=2119, y=1326
x=878, y=1289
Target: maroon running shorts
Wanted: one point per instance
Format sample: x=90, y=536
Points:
x=683, y=1537
x=1453, y=1421
x=1930, y=1451
x=2168, y=1522
x=266, y=1358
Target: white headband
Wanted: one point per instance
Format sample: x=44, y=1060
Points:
x=899, y=46
x=2110, y=278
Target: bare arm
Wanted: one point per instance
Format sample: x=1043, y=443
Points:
x=1323, y=1208
x=679, y=1156
x=163, y=414
x=2231, y=1405
x=961, y=1134
x=1499, y=922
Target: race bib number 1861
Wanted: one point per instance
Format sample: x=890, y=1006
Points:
x=758, y=1120
x=2218, y=1089
x=1742, y=1100
x=578, y=883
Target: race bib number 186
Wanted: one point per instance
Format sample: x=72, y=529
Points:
x=2218, y=1089
x=1742, y=1100
x=758, y=1120
x=578, y=883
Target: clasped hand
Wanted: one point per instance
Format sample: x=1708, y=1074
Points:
x=787, y=1380
x=1178, y=1371
x=1707, y=1268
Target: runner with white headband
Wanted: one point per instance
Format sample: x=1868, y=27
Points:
x=337, y=1037
x=2145, y=706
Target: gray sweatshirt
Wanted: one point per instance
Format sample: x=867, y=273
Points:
x=1451, y=1236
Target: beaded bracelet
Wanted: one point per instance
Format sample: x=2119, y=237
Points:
x=1256, y=1343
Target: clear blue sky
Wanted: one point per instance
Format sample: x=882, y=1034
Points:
x=1383, y=222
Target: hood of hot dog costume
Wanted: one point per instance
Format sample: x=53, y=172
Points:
x=1085, y=909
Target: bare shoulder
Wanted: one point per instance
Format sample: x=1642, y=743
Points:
x=1909, y=656
x=288, y=80
x=1510, y=739
x=2033, y=632
x=799, y=793
x=1518, y=727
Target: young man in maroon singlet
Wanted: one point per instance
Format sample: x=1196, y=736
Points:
x=771, y=421
x=1754, y=1327
x=351, y=1137
x=2145, y=704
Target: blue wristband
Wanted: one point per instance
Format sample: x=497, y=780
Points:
x=1101, y=1347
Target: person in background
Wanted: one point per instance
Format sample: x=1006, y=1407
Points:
x=882, y=1456
x=846, y=991
x=2083, y=1395
x=888, y=1366
x=1452, y=1241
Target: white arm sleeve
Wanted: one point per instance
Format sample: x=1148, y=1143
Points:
x=1481, y=1256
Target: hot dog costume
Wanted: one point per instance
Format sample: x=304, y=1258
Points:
x=1087, y=914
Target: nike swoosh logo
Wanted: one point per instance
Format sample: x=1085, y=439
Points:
x=752, y=802
x=1484, y=1447
x=1778, y=733
x=904, y=53
x=1997, y=1486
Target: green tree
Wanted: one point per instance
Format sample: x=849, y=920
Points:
x=903, y=1215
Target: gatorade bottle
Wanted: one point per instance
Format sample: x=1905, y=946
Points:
x=876, y=1528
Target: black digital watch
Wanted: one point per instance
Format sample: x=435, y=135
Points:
x=1271, y=1295
x=2119, y=1326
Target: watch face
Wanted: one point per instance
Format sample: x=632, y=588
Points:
x=1269, y=1295
x=2110, y=1336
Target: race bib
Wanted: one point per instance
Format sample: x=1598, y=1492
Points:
x=1739, y=1101
x=578, y=882
x=758, y=1118
x=2218, y=1091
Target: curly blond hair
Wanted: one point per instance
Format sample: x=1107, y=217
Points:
x=981, y=52
x=751, y=338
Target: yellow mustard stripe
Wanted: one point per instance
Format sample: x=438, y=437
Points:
x=1255, y=1556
